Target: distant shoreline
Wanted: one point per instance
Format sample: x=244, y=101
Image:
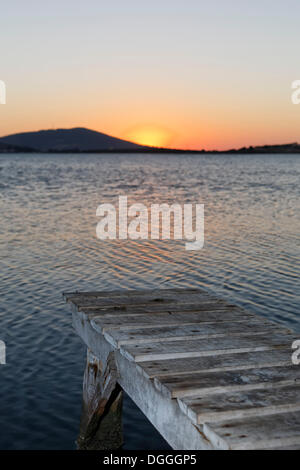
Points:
x=82, y=140
x=246, y=151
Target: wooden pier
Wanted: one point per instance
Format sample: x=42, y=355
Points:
x=207, y=374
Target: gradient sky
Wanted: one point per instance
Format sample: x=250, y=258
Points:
x=203, y=74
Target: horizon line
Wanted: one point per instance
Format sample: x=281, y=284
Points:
x=143, y=146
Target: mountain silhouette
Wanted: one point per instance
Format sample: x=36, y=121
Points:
x=76, y=139
x=7, y=148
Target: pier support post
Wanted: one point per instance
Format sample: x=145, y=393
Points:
x=101, y=417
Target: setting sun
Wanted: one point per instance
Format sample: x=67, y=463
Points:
x=154, y=136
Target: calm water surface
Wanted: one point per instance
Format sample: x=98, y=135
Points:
x=48, y=245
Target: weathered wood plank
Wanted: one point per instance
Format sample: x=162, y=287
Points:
x=132, y=292
x=204, y=347
x=148, y=299
x=249, y=360
x=205, y=383
x=120, y=336
x=241, y=404
x=132, y=310
x=261, y=432
x=103, y=323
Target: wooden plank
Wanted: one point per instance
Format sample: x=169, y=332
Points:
x=132, y=310
x=155, y=297
x=152, y=298
x=204, y=347
x=272, y=358
x=205, y=383
x=186, y=332
x=124, y=315
x=132, y=292
x=104, y=323
x=241, y=404
x=261, y=432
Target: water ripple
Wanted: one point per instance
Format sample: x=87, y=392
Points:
x=48, y=245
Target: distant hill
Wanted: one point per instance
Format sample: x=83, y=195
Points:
x=61, y=140
x=6, y=148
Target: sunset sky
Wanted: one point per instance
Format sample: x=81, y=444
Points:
x=187, y=74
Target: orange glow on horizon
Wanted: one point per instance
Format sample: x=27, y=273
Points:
x=152, y=135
